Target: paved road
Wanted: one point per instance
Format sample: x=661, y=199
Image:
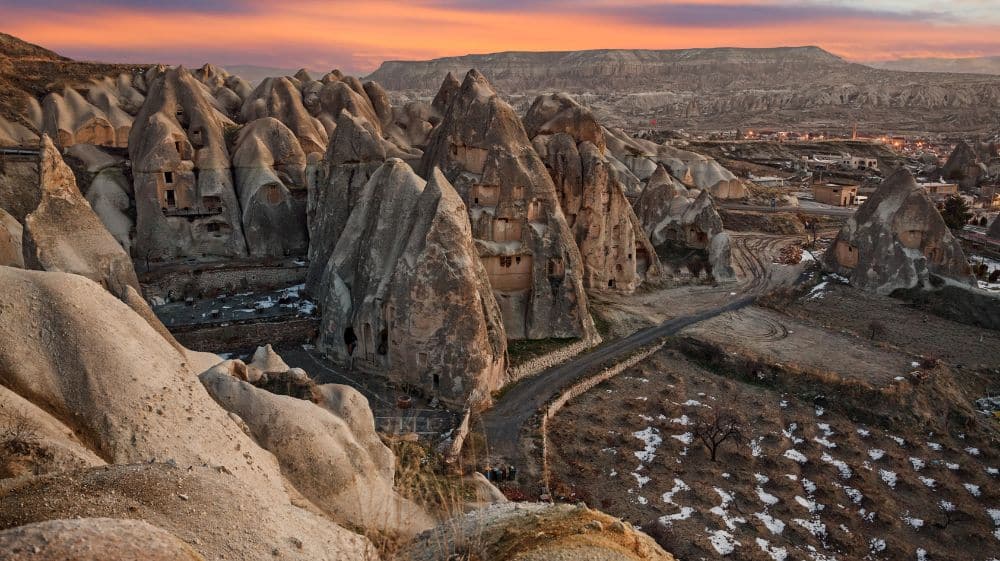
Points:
x=504, y=424
x=832, y=211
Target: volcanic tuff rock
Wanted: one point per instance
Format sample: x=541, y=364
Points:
x=214, y=513
x=185, y=201
x=340, y=466
x=522, y=238
x=616, y=253
x=281, y=99
x=93, y=539
x=10, y=241
x=510, y=532
x=727, y=87
x=968, y=165
x=897, y=239
x=403, y=290
x=270, y=173
x=64, y=234
x=354, y=153
x=109, y=196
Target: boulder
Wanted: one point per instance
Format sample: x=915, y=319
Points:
x=405, y=293
x=325, y=458
x=522, y=237
x=511, y=532
x=897, y=239
x=93, y=539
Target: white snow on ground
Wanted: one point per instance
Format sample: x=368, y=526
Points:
x=855, y=495
x=809, y=486
x=864, y=432
x=686, y=438
x=824, y=442
x=972, y=489
x=918, y=464
x=946, y=506
x=814, y=527
x=915, y=522
x=817, y=291
x=722, y=511
x=773, y=524
x=611, y=451
x=765, y=497
x=679, y=486
x=921, y=554
x=684, y=514
x=776, y=553
x=692, y=403
x=640, y=479
x=796, y=456
x=867, y=516
x=992, y=471
x=819, y=411
x=876, y=453
x=928, y=481
x=972, y=451
x=810, y=505
x=889, y=477
x=897, y=439
x=825, y=427
x=651, y=438
x=934, y=446
x=761, y=478
x=841, y=465
x=995, y=515
x=952, y=466
x=723, y=542
x=646, y=418
x=682, y=420
x=790, y=434
x=642, y=500
x=876, y=545
x=783, y=403
x=755, y=447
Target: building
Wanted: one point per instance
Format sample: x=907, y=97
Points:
x=835, y=194
x=939, y=190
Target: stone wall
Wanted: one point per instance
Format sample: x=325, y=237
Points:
x=538, y=364
x=226, y=338
x=580, y=388
x=206, y=281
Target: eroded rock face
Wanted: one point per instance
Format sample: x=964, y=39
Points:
x=522, y=237
x=185, y=201
x=10, y=241
x=897, y=239
x=507, y=531
x=269, y=168
x=403, y=290
x=71, y=119
x=281, y=99
x=214, y=513
x=675, y=217
x=93, y=539
x=965, y=166
x=615, y=251
x=340, y=466
x=355, y=152
x=64, y=234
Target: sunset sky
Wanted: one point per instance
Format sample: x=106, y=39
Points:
x=357, y=35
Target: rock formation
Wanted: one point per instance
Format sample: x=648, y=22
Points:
x=185, y=201
x=63, y=233
x=522, y=238
x=897, y=239
x=217, y=515
x=615, y=251
x=71, y=119
x=338, y=464
x=964, y=166
x=354, y=153
x=110, y=197
x=93, y=539
x=281, y=99
x=509, y=531
x=11, y=230
x=270, y=174
x=403, y=290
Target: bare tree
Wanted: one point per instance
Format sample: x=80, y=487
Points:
x=717, y=428
x=876, y=330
